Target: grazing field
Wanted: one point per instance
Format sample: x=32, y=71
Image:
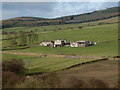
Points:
x=31, y=58
x=99, y=33
x=96, y=33
x=71, y=32
x=102, y=49
x=61, y=27
x=48, y=64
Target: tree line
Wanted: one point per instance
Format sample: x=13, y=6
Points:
x=21, y=38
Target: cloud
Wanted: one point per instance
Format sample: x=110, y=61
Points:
x=15, y=9
x=59, y=0
x=72, y=8
x=51, y=9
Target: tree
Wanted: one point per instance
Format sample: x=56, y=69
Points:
x=16, y=66
x=79, y=27
x=23, y=38
x=4, y=32
x=32, y=36
x=35, y=37
x=12, y=37
x=14, y=40
x=12, y=72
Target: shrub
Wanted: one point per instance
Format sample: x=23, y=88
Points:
x=79, y=27
x=12, y=72
x=14, y=65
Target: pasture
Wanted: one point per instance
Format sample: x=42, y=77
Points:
x=89, y=31
x=48, y=64
x=61, y=27
x=102, y=49
x=96, y=33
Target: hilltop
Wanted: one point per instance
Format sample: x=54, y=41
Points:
x=80, y=18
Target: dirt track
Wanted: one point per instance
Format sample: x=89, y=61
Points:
x=44, y=55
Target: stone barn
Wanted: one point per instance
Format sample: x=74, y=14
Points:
x=60, y=42
x=47, y=43
x=81, y=43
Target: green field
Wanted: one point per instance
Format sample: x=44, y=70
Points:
x=55, y=28
x=62, y=27
x=89, y=31
x=103, y=49
x=97, y=33
x=35, y=64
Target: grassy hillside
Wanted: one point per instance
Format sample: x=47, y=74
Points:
x=35, y=64
x=90, y=31
x=110, y=49
x=93, y=16
x=96, y=33
x=80, y=18
x=62, y=27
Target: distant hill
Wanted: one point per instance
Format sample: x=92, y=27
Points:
x=80, y=18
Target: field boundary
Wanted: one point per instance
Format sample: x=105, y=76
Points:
x=76, y=65
x=103, y=59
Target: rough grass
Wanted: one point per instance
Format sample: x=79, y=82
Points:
x=107, y=71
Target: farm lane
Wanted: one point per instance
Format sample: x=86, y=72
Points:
x=39, y=55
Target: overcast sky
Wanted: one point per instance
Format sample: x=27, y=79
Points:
x=51, y=9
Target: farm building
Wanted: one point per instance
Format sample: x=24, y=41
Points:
x=63, y=42
x=47, y=43
x=59, y=42
x=81, y=43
